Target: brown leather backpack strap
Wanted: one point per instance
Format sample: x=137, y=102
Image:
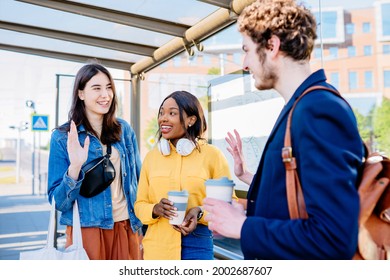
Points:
x=295, y=199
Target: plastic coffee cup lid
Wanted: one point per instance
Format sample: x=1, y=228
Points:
x=178, y=193
x=222, y=182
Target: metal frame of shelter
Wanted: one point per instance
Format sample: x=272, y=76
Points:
x=185, y=38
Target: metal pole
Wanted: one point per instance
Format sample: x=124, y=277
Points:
x=57, y=99
x=135, y=105
x=31, y=104
x=39, y=162
x=322, y=44
x=56, y=125
x=221, y=64
x=33, y=165
x=18, y=156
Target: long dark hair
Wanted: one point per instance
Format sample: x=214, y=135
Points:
x=188, y=103
x=111, y=130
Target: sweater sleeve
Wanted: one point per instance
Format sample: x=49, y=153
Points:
x=142, y=207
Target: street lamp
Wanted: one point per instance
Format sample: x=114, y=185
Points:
x=31, y=104
x=22, y=126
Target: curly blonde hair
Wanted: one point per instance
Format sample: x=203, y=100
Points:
x=292, y=23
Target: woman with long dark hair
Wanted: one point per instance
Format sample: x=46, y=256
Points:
x=182, y=161
x=110, y=230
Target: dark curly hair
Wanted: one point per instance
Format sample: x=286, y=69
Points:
x=292, y=23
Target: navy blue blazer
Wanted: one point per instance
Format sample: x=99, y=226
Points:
x=329, y=152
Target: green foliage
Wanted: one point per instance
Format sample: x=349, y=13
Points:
x=46, y=147
x=204, y=102
x=150, y=132
x=374, y=128
x=381, y=123
x=364, y=125
x=214, y=71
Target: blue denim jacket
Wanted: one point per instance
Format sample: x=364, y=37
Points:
x=95, y=211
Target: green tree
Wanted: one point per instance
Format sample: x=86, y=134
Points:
x=150, y=132
x=214, y=71
x=381, y=121
x=364, y=125
x=204, y=102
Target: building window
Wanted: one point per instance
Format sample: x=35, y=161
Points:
x=368, y=79
x=350, y=28
x=333, y=52
x=329, y=20
x=366, y=27
x=353, y=80
x=317, y=52
x=334, y=79
x=367, y=50
x=385, y=9
x=351, y=51
x=332, y=24
x=386, y=78
x=386, y=49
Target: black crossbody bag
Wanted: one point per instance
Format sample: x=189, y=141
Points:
x=98, y=175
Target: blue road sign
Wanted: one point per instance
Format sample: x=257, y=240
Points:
x=39, y=122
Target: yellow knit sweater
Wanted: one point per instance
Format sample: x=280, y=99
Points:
x=160, y=174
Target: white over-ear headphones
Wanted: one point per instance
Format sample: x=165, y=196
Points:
x=184, y=147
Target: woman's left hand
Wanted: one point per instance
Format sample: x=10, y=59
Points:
x=189, y=223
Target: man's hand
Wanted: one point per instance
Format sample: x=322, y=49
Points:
x=224, y=218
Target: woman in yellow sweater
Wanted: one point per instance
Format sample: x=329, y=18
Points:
x=182, y=160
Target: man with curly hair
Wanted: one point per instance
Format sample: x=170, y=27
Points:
x=278, y=38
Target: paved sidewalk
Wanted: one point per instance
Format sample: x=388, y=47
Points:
x=24, y=220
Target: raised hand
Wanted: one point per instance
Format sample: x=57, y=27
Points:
x=77, y=154
x=235, y=149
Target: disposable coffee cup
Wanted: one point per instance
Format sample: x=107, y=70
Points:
x=221, y=189
x=180, y=200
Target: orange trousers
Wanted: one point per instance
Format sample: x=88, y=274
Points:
x=119, y=243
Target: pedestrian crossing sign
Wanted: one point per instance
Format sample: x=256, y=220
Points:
x=39, y=122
